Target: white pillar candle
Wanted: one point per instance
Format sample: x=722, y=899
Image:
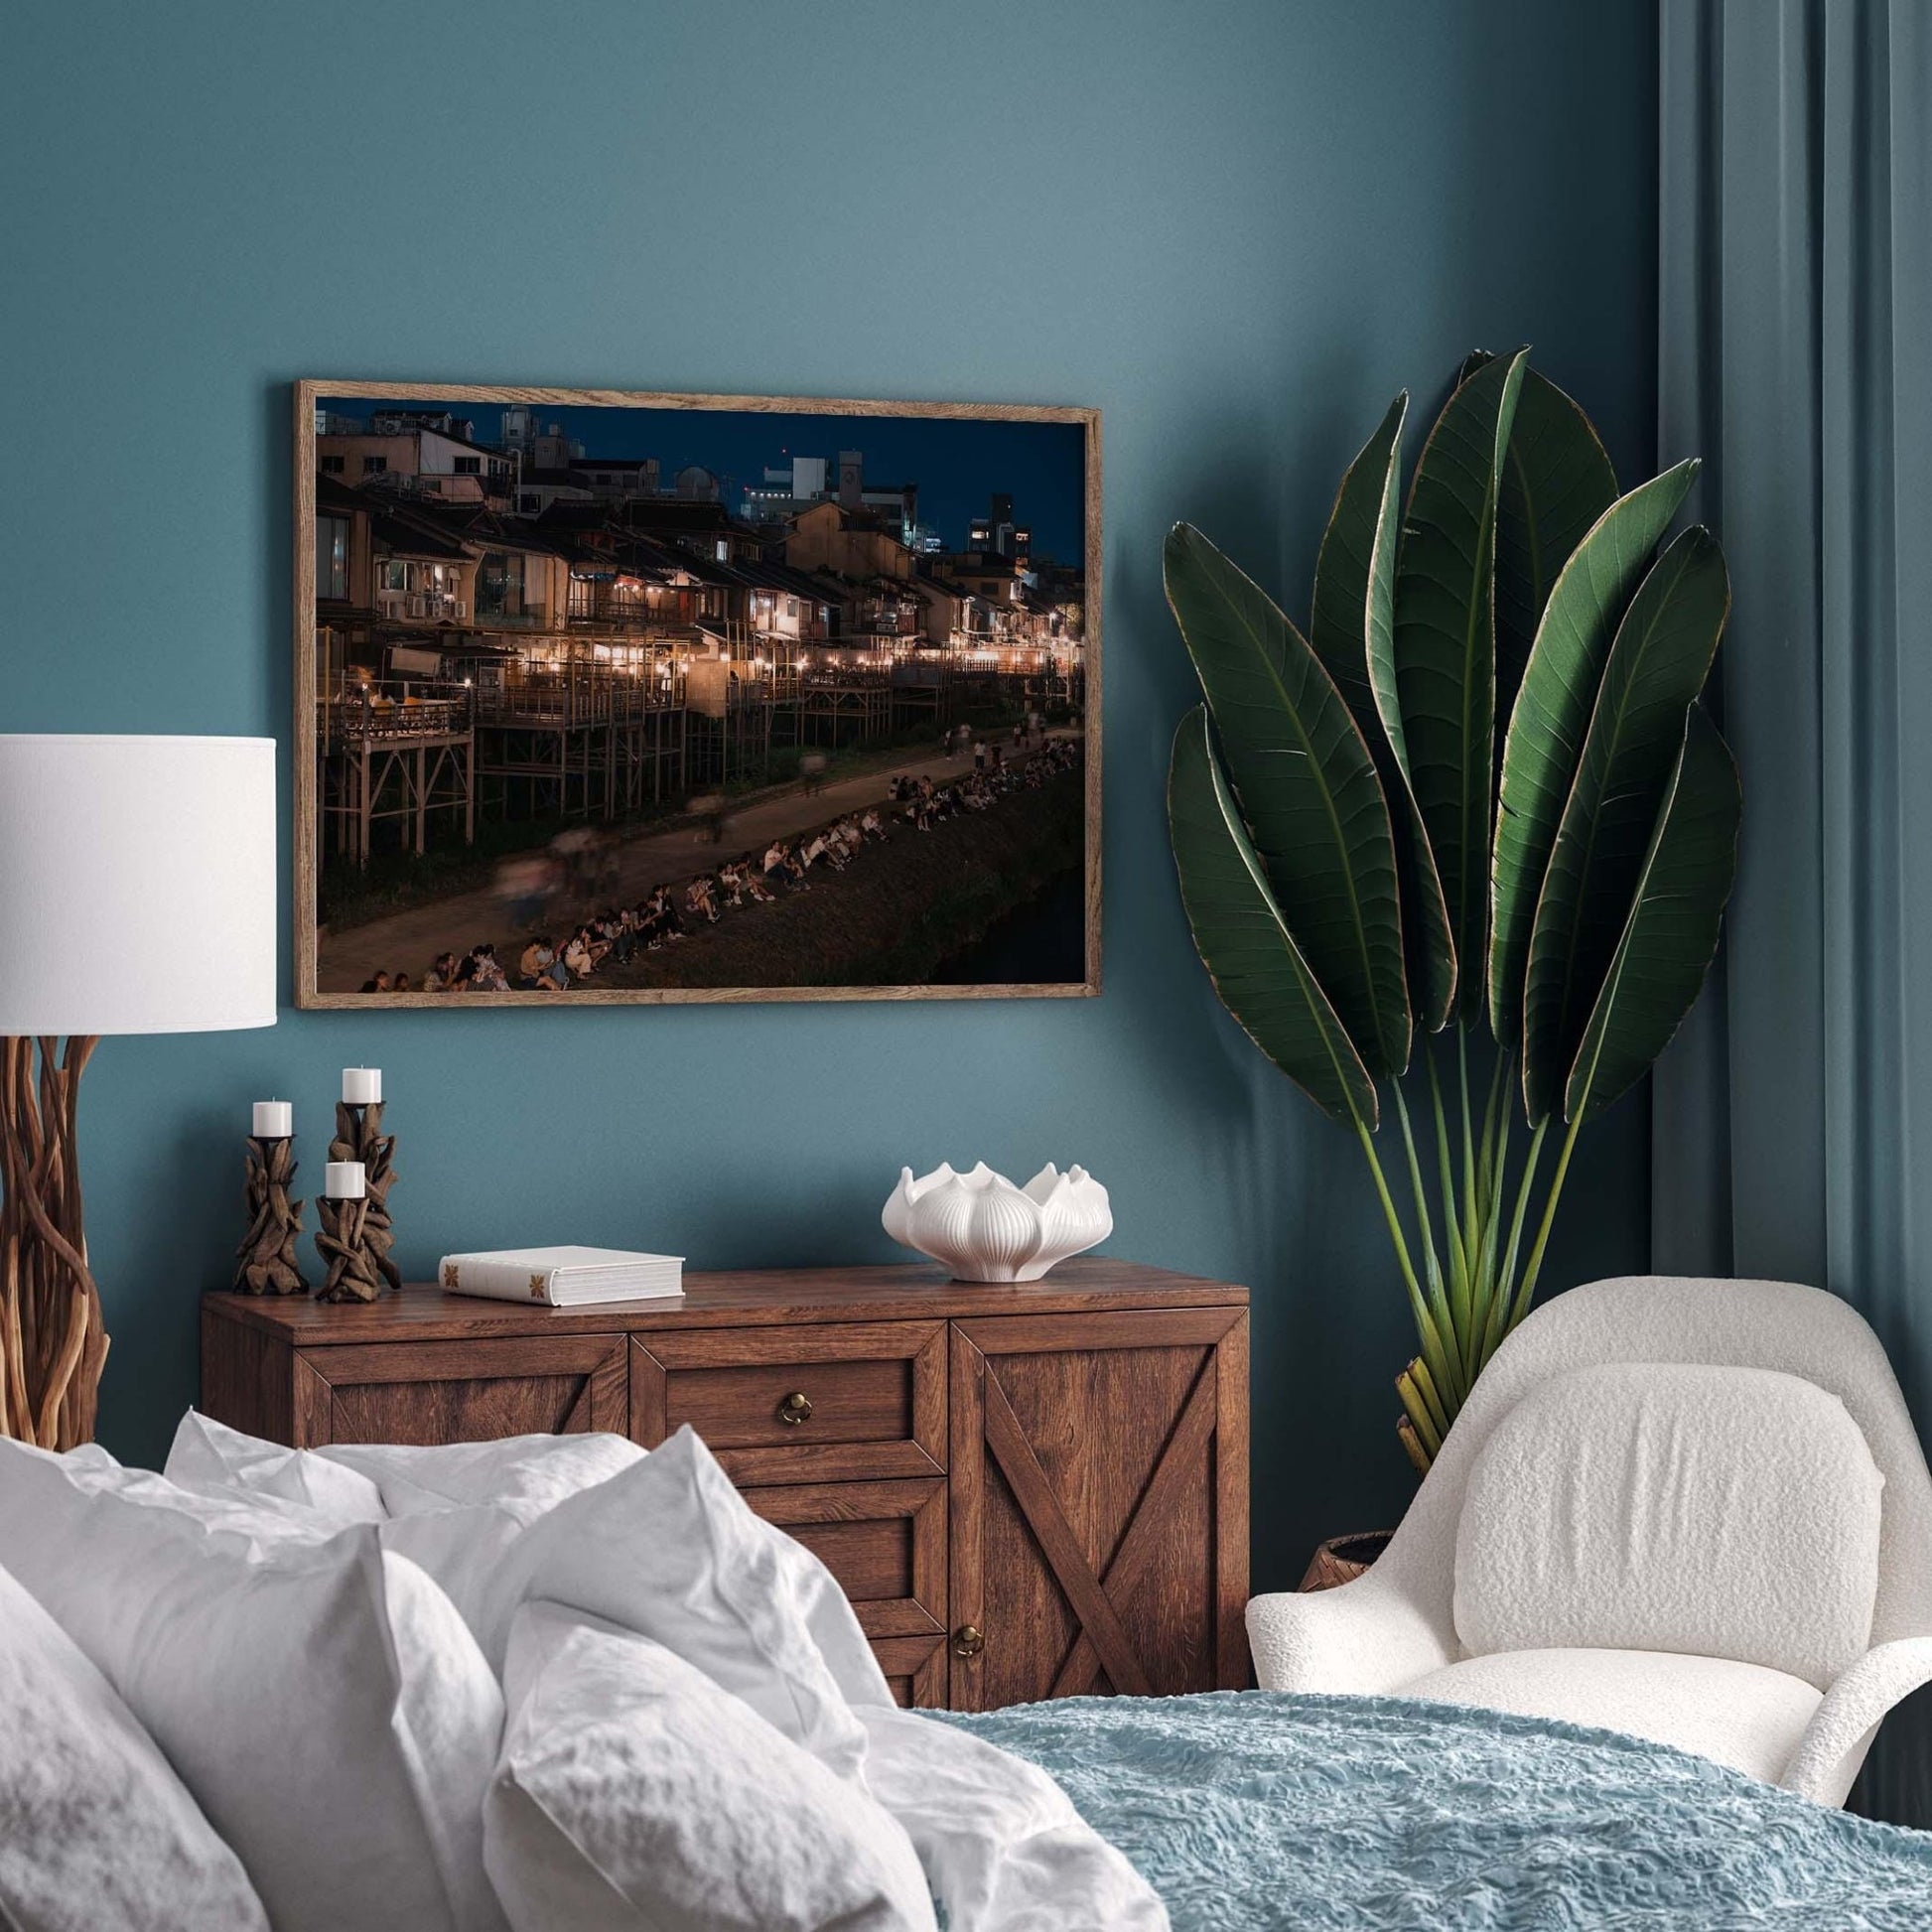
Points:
x=274, y=1120
x=343, y=1180
x=362, y=1085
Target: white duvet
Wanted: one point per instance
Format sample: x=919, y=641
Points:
x=697, y=1736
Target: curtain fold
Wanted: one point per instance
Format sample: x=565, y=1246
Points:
x=1792, y=1131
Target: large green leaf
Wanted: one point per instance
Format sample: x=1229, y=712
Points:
x=1556, y=481
x=1552, y=714
x=1656, y=668
x=1352, y=632
x=1245, y=944
x=1307, y=792
x=1445, y=648
x=1671, y=935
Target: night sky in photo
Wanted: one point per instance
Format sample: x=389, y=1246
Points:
x=957, y=465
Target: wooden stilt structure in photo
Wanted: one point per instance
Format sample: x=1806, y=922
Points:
x=53, y=1340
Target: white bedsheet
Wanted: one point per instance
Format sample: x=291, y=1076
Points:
x=1001, y=1842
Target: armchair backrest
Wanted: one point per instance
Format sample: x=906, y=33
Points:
x=1651, y=1318
x=1706, y=1509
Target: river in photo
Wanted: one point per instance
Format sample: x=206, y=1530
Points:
x=1039, y=941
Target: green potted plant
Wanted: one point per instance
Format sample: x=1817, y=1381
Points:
x=1477, y=813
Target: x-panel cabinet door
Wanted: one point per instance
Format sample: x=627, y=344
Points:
x=1099, y=1505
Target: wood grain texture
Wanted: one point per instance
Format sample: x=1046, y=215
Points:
x=467, y=1392
x=247, y=1378
x=865, y=1401
x=647, y=1395
x=267, y=1261
x=52, y=1339
x=885, y=1543
x=314, y=1405
x=1132, y=1328
x=1088, y=1540
x=1176, y=1480
x=310, y=391
x=875, y=1392
x=916, y=1670
x=1234, y=1668
x=1100, y=1623
x=899, y=1290
x=966, y=1507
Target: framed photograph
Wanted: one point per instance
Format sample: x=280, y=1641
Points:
x=610, y=696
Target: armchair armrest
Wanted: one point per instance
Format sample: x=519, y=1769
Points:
x=1835, y=1741
x=1362, y=1638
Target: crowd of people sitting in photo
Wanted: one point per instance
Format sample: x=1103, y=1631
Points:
x=552, y=960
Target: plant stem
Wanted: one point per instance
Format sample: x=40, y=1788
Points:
x=1425, y=1322
x=1438, y=1409
x=1499, y=1313
x=1458, y=1275
x=1470, y=1212
x=1495, y=1283
x=1493, y=1167
x=1495, y=1128
x=1534, y=1264
x=1434, y=1265
x=1428, y=1430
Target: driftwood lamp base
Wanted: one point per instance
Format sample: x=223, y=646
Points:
x=52, y=1340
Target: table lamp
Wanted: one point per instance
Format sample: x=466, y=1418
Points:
x=137, y=896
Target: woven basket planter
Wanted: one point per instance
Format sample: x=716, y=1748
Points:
x=1342, y=1559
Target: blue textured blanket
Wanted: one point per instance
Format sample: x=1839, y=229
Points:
x=1261, y=1809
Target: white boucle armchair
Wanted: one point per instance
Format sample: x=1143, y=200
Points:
x=1695, y=1511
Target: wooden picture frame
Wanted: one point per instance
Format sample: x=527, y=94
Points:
x=1049, y=645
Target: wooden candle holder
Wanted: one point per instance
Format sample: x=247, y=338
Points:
x=265, y=1263
x=343, y=1242
x=359, y=1137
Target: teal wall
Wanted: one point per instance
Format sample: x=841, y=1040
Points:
x=1236, y=228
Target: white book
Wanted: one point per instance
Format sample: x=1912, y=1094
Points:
x=563, y=1277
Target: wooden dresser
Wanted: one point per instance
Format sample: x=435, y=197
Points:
x=1031, y=1492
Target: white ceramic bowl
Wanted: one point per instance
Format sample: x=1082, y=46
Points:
x=984, y=1229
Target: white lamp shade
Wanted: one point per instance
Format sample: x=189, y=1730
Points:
x=137, y=884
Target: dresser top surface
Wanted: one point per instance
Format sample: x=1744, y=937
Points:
x=423, y=1311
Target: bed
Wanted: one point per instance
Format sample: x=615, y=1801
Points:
x=1262, y=1809
x=560, y=1685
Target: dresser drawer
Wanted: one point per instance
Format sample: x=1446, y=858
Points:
x=885, y=1543
x=456, y=1391
x=813, y=1403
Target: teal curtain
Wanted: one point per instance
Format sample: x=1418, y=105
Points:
x=1792, y=1132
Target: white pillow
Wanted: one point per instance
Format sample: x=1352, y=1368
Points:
x=323, y=1701
x=208, y=1455
x=483, y=1495
x=524, y=1474
x=1716, y=1511
x=248, y=1521
x=669, y=1549
x=633, y=1793
x=97, y=1833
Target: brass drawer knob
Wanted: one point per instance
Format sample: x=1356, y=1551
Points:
x=968, y=1641
x=795, y=1408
